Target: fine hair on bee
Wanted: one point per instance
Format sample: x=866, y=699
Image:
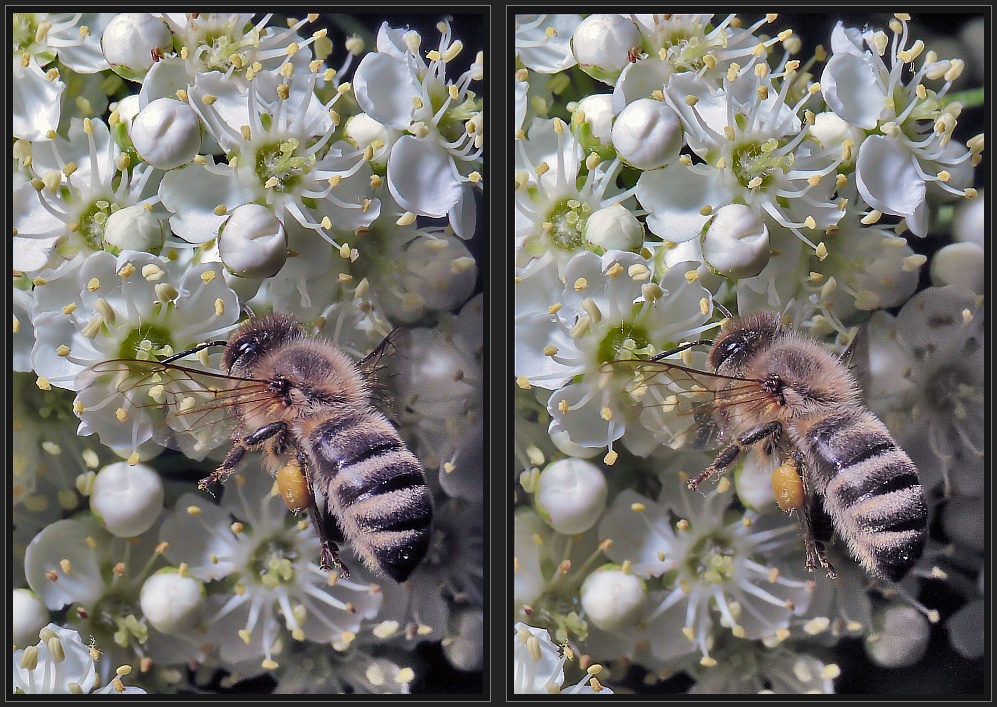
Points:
x=839, y=469
x=308, y=408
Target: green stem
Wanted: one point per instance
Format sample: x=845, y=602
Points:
x=970, y=98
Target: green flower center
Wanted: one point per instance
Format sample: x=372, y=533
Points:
x=24, y=26
x=711, y=559
x=567, y=220
x=279, y=166
x=145, y=342
x=92, y=222
x=751, y=160
x=623, y=342
x=273, y=562
x=217, y=44
x=116, y=617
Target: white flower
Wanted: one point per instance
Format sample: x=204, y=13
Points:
x=272, y=561
x=434, y=170
x=926, y=370
x=551, y=208
x=765, y=159
x=538, y=666
x=127, y=499
x=166, y=133
x=867, y=88
x=647, y=134
x=278, y=138
x=37, y=39
x=134, y=306
x=61, y=212
x=571, y=495
x=739, y=569
x=60, y=664
x=748, y=668
x=543, y=42
x=608, y=308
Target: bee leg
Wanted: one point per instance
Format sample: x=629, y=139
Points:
x=728, y=454
x=817, y=530
x=264, y=433
x=326, y=529
x=227, y=466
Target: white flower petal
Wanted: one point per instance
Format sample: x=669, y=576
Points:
x=421, y=177
x=887, y=177
x=385, y=89
x=852, y=90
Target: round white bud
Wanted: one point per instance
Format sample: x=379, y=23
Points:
x=252, y=242
x=597, y=128
x=602, y=43
x=647, y=134
x=172, y=603
x=465, y=648
x=900, y=637
x=166, y=133
x=614, y=227
x=362, y=130
x=127, y=499
x=133, y=228
x=959, y=264
x=130, y=42
x=28, y=616
x=613, y=599
x=736, y=243
x=571, y=495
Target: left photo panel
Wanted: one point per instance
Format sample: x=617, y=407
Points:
x=246, y=398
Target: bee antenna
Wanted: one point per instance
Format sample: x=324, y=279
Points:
x=248, y=311
x=723, y=310
x=194, y=350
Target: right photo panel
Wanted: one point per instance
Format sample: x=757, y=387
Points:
x=749, y=353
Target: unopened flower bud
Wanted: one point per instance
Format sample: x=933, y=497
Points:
x=959, y=264
x=736, y=243
x=647, y=134
x=601, y=45
x=571, y=495
x=134, y=228
x=596, y=129
x=29, y=616
x=464, y=647
x=614, y=228
x=899, y=638
x=173, y=603
x=613, y=599
x=968, y=225
x=166, y=133
x=252, y=242
x=128, y=499
x=129, y=41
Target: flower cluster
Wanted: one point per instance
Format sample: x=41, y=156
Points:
x=672, y=170
x=174, y=174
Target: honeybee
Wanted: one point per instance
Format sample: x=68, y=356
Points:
x=777, y=390
x=307, y=406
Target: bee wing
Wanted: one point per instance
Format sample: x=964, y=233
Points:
x=370, y=364
x=189, y=409
x=682, y=404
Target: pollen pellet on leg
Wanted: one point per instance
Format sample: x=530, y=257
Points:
x=787, y=487
x=293, y=487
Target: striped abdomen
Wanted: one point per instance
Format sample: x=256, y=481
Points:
x=870, y=490
x=376, y=490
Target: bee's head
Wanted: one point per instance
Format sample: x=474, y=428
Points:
x=256, y=338
x=741, y=338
